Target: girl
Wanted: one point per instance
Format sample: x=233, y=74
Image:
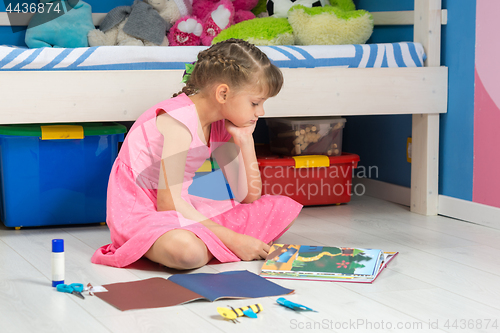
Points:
x=149, y=210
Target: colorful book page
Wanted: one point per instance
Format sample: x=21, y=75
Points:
x=231, y=284
x=324, y=263
x=325, y=259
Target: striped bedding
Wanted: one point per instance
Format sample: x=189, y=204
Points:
x=154, y=58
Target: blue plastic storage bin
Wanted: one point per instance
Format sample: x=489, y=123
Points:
x=56, y=174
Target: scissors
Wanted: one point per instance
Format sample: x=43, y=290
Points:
x=294, y=306
x=74, y=288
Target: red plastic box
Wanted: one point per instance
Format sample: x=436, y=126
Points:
x=309, y=180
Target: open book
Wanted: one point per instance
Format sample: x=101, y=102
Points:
x=325, y=263
x=182, y=288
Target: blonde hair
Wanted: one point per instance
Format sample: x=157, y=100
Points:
x=236, y=63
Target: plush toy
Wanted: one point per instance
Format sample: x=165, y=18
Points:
x=61, y=23
x=335, y=25
x=261, y=31
x=260, y=10
x=242, y=9
x=200, y=30
x=186, y=32
x=280, y=8
x=144, y=23
x=338, y=23
x=208, y=20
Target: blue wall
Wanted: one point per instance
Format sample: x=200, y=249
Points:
x=457, y=126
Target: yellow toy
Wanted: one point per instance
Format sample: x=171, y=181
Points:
x=232, y=313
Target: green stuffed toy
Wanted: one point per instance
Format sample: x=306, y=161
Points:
x=337, y=23
x=260, y=31
x=260, y=10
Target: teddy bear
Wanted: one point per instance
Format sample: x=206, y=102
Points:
x=145, y=23
x=209, y=18
x=334, y=24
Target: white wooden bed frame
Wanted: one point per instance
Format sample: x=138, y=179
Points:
x=120, y=95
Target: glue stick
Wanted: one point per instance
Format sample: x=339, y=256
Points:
x=57, y=262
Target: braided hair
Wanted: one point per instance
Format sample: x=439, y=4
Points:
x=236, y=63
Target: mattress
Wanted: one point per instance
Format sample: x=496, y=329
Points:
x=165, y=58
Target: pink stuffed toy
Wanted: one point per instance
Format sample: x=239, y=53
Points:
x=208, y=20
x=242, y=10
x=185, y=32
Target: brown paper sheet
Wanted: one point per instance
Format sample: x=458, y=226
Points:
x=145, y=294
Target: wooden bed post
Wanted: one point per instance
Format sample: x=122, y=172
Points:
x=425, y=127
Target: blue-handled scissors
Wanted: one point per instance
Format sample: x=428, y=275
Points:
x=294, y=306
x=74, y=288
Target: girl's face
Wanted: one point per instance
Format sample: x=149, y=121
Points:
x=243, y=108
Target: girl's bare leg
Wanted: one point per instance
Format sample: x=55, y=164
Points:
x=179, y=249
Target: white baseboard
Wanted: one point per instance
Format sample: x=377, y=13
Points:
x=382, y=190
x=469, y=211
x=448, y=206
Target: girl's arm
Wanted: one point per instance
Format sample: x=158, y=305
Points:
x=177, y=140
x=238, y=162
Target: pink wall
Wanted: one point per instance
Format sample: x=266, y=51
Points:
x=486, y=183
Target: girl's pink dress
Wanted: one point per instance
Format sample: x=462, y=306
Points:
x=133, y=220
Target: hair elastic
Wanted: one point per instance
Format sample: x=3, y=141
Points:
x=188, y=71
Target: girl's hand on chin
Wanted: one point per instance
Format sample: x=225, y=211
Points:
x=240, y=134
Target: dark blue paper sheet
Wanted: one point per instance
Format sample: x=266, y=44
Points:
x=229, y=284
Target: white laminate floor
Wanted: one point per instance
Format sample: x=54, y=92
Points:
x=446, y=278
